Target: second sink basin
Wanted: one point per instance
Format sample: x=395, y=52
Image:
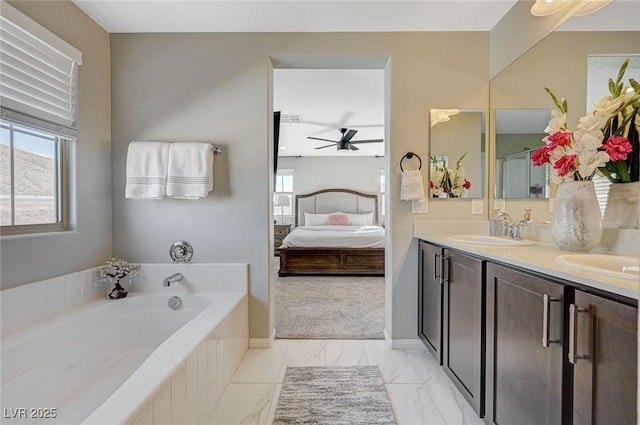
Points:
x=489, y=240
x=620, y=266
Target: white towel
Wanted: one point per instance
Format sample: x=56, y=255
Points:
x=190, y=173
x=411, y=187
x=146, y=170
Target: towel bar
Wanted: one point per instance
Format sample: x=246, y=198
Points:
x=216, y=150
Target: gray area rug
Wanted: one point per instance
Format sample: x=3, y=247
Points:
x=328, y=307
x=333, y=396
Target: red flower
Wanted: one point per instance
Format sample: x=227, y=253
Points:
x=617, y=147
x=540, y=156
x=431, y=185
x=466, y=184
x=565, y=164
x=559, y=138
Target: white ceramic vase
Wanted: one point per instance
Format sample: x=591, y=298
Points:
x=623, y=206
x=576, y=222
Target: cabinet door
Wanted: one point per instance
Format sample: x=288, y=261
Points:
x=463, y=326
x=524, y=348
x=603, y=348
x=430, y=299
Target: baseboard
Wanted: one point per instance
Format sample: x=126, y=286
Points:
x=263, y=342
x=402, y=344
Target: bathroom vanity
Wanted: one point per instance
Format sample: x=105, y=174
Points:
x=525, y=338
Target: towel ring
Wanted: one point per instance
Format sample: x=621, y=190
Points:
x=410, y=155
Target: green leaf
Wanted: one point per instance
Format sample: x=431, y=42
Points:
x=555, y=99
x=623, y=69
x=612, y=86
x=635, y=85
x=608, y=174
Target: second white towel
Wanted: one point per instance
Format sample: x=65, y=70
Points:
x=190, y=170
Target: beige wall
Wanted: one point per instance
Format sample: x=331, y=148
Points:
x=37, y=257
x=560, y=63
x=215, y=87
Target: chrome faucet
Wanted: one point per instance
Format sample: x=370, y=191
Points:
x=172, y=279
x=501, y=224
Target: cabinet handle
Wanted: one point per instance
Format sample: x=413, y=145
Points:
x=546, y=313
x=445, y=266
x=573, y=333
x=435, y=266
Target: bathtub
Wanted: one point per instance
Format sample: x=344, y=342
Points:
x=100, y=363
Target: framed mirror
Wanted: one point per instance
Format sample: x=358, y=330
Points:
x=518, y=133
x=457, y=149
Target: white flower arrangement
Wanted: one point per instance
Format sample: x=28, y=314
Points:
x=116, y=269
x=448, y=182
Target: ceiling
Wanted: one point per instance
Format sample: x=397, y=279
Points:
x=352, y=98
x=144, y=16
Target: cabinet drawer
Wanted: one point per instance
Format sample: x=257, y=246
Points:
x=279, y=231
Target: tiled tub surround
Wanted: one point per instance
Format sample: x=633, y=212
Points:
x=176, y=372
x=540, y=257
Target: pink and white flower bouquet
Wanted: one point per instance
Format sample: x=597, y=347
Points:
x=606, y=139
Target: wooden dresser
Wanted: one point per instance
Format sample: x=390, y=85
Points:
x=280, y=231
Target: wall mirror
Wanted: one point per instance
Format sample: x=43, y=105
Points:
x=457, y=136
x=518, y=133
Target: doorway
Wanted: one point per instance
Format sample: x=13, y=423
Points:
x=322, y=102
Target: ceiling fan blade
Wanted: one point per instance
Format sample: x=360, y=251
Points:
x=368, y=141
x=328, y=146
x=349, y=135
x=324, y=140
x=353, y=148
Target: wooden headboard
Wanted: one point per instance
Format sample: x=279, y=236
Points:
x=328, y=201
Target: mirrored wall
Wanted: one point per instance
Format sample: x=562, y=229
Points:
x=518, y=133
x=457, y=149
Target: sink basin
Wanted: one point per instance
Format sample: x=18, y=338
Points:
x=619, y=266
x=489, y=240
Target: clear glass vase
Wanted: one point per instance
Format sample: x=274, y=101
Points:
x=576, y=222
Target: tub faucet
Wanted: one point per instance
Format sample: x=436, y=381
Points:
x=172, y=279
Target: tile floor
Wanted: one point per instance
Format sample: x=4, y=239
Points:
x=418, y=388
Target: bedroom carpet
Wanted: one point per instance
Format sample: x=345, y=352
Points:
x=327, y=307
x=333, y=396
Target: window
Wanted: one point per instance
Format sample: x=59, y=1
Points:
x=30, y=166
x=283, y=196
x=382, y=192
x=38, y=81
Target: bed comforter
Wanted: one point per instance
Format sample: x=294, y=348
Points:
x=335, y=237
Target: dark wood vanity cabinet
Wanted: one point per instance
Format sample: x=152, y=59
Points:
x=524, y=348
x=430, y=298
x=463, y=325
x=604, y=353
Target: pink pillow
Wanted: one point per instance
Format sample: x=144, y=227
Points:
x=338, y=219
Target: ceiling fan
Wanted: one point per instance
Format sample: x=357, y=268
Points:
x=345, y=142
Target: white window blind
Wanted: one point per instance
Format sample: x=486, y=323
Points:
x=38, y=74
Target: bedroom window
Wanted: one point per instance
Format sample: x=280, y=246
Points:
x=283, y=195
x=38, y=82
x=382, y=192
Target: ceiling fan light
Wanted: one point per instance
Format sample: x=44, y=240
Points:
x=545, y=8
x=592, y=6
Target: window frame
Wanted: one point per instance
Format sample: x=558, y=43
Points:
x=62, y=195
x=289, y=172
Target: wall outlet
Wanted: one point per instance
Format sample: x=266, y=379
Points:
x=477, y=206
x=500, y=204
x=420, y=206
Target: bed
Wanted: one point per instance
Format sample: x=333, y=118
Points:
x=324, y=242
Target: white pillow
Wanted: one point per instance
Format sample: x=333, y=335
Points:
x=361, y=219
x=316, y=219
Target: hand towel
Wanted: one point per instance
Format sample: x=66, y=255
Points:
x=146, y=170
x=190, y=174
x=411, y=187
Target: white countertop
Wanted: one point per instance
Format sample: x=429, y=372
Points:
x=539, y=258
